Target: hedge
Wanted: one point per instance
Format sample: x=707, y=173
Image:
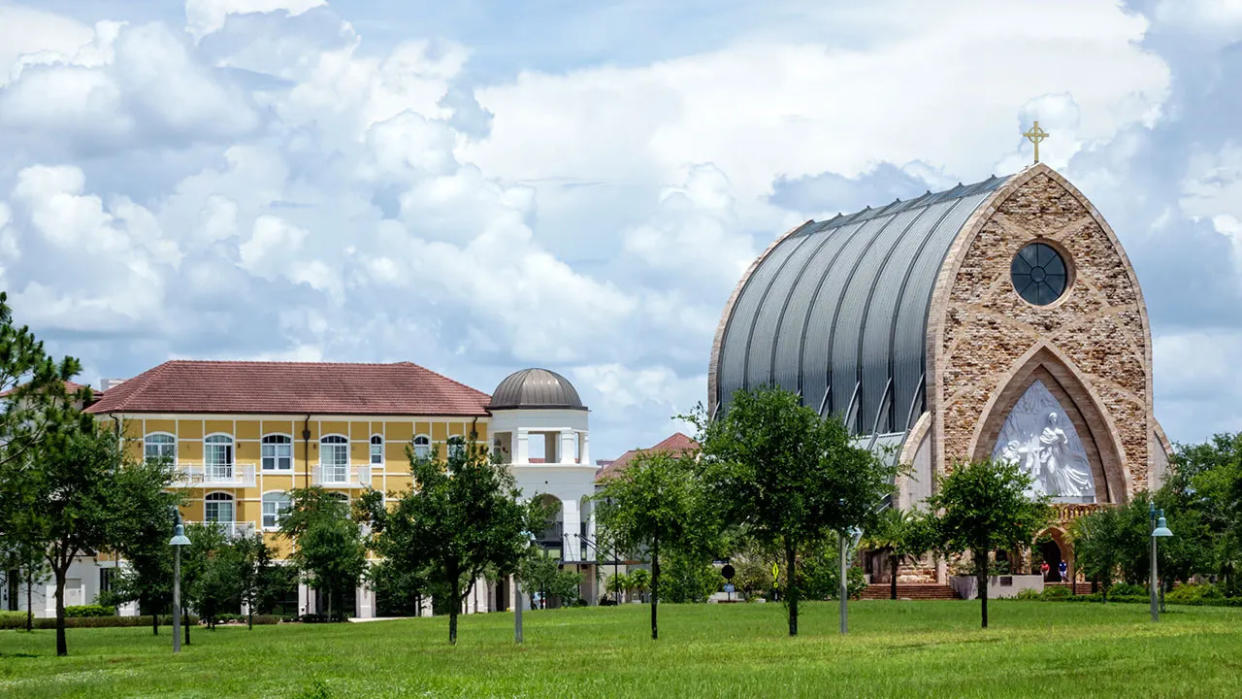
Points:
x=90, y=610
x=87, y=622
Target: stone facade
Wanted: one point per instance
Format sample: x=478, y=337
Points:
x=1092, y=346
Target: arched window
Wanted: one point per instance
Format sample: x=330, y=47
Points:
x=218, y=507
x=377, y=450
x=422, y=446
x=218, y=457
x=277, y=452
x=275, y=507
x=159, y=446
x=456, y=446
x=334, y=459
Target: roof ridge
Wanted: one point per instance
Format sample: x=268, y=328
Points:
x=146, y=377
x=928, y=198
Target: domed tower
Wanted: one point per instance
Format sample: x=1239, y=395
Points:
x=539, y=427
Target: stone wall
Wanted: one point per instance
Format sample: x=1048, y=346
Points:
x=1095, y=337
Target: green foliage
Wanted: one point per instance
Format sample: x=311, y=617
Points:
x=18, y=621
x=1029, y=595
x=821, y=576
x=460, y=519
x=1193, y=594
x=82, y=610
x=1056, y=592
x=329, y=548
x=655, y=505
x=541, y=574
x=984, y=507
x=639, y=581
x=689, y=578
x=787, y=477
x=1126, y=589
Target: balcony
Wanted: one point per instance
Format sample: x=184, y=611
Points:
x=343, y=476
x=233, y=530
x=215, y=476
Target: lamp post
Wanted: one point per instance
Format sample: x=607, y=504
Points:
x=848, y=541
x=179, y=539
x=1159, y=529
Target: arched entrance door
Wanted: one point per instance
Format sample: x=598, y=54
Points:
x=1051, y=553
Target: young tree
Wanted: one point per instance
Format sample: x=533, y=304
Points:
x=329, y=547
x=983, y=507
x=460, y=518
x=653, y=505
x=905, y=534
x=540, y=573
x=788, y=477
x=29, y=562
x=253, y=572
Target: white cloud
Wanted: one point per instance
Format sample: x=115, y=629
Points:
x=205, y=16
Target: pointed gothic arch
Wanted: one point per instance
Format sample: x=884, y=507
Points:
x=1064, y=381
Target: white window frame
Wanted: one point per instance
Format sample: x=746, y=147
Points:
x=147, y=444
x=376, y=441
x=339, y=471
x=215, y=470
x=422, y=450
x=277, y=513
x=276, y=458
x=215, y=498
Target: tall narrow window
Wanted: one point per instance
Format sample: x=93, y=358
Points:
x=334, y=459
x=218, y=457
x=422, y=446
x=456, y=446
x=277, y=452
x=159, y=446
x=377, y=450
x=275, y=507
x=218, y=508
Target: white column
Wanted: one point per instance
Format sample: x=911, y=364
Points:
x=366, y=602
x=571, y=528
x=304, y=598
x=566, y=452
x=521, y=453
x=585, y=448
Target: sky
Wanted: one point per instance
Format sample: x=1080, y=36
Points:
x=482, y=187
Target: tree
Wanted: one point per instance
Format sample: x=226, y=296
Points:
x=983, y=507
x=329, y=548
x=905, y=534
x=788, y=477
x=29, y=561
x=1098, y=546
x=653, y=504
x=639, y=581
x=460, y=519
x=84, y=493
x=690, y=578
x=259, y=581
x=541, y=573
x=616, y=584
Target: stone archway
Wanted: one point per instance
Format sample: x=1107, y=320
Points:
x=1047, y=366
x=1058, y=543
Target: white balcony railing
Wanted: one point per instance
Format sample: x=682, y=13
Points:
x=215, y=475
x=343, y=476
x=233, y=530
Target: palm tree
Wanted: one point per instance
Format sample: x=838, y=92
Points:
x=903, y=534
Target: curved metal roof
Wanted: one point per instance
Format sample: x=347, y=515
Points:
x=535, y=388
x=837, y=310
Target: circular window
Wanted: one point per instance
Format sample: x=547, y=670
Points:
x=1039, y=274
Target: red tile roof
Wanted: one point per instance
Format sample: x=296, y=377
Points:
x=71, y=387
x=676, y=444
x=191, y=386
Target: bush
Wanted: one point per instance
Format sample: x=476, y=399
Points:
x=1056, y=593
x=1029, y=595
x=1126, y=590
x=88, y=610
x=1194, y=594
x=87, y=622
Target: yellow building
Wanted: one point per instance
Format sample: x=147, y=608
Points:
x=242, y=434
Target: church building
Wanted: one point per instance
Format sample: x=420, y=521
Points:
x=996, y=319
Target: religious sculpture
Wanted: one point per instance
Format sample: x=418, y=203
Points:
x=1046, y=447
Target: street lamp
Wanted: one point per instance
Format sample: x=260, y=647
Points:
x=854, y=534
x=1158, y=530
x=179, y=539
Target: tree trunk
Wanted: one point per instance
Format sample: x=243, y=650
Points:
x=791, y=585
x=250, y=616
x=655, y=587
x=155, y=617
x=185, y=617
x=895, y=563
x=981, y=569
x=29, y=600
x=61, y=647
x=454, y=608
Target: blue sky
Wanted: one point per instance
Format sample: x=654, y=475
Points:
x=480, y=187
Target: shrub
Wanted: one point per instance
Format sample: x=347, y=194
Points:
x=1194, y=594
x=87, y=610
x=1029, y=595
x=87, y=622
x=1126, y=590
x=1057, y=592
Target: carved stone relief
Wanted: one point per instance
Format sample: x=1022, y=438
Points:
x=1043, y=442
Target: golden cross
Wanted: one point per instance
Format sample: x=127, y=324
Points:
x=1035, y=135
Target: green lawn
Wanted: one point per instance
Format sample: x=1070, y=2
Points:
x=894, y=648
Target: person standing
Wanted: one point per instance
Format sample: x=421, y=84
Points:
x=1043, y=570
x=1062, y=568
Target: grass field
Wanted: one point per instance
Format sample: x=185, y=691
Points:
x=894, y=648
